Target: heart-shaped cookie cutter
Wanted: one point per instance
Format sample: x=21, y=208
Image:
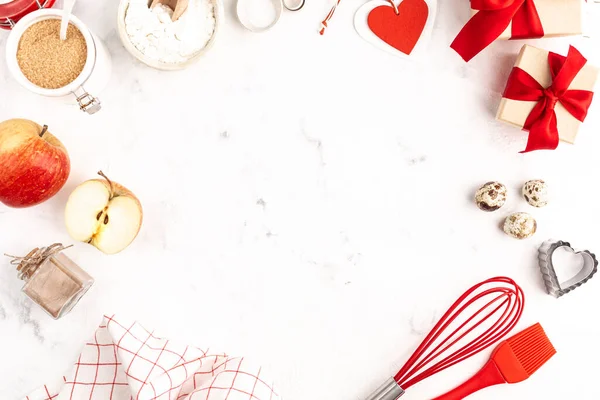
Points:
x=553, y=285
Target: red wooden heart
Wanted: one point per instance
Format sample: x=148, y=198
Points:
x=400, y=31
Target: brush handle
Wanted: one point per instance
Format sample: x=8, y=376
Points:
x=489, y=375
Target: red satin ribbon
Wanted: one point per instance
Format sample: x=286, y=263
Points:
x=541, y=122
x=492, y=18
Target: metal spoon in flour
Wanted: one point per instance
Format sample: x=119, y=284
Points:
x=178, y=7
x=66, y=16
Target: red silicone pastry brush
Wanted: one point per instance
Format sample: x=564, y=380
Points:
x=513, y=361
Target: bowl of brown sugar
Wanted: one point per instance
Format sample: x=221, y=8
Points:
x=43, y=63
x=48, y=62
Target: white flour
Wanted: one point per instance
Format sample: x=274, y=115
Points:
x=153, y=33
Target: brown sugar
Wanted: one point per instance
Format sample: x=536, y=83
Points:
x=48, y=62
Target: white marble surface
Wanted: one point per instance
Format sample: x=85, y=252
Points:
x=308, y=204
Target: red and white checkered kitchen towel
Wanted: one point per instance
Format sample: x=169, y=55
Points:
x=124, y=361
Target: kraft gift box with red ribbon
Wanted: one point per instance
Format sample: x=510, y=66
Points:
x=517, y=19
x=548, y=95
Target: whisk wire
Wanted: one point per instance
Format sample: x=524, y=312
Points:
x=510, y=308
x=445, y=321
x=462, y=353
x=490, y=341
x=439, y=349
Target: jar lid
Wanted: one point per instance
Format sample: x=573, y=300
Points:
x=13, y=11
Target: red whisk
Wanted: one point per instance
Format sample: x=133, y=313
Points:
x=497, y=305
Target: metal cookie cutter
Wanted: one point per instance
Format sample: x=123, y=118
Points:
x=553, y=285
x=245, y=20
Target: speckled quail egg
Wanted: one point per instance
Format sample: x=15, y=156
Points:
x=520, y=225
x=491, y=196
x=536, y=193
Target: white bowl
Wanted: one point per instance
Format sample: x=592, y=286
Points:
x=12, y=45
x=218, y=10
x=91, y=81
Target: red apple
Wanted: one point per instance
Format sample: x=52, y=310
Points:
x=35, y=164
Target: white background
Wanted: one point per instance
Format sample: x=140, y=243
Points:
x=308, y=203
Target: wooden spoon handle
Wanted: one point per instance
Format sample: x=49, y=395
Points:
x=180, y=8
x=170, y=3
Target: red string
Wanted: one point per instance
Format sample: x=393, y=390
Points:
x=329, y=16
x=506, y=305
x=332, y=11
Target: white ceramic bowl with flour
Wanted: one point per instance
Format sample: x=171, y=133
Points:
x=151, y=37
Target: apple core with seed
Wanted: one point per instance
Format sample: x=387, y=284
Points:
x=104, y=214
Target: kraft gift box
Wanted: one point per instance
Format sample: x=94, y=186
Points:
x=558, y=17
x=535, y=62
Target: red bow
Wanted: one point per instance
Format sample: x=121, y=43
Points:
x=492, y=19
x=541, y=122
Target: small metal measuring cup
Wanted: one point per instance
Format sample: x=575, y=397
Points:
x=279, y=6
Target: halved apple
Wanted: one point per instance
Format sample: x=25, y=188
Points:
x=103, y=214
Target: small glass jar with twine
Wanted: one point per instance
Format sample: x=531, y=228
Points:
x=52, y=280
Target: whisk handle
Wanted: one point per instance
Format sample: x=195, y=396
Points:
x=390, y=390
x=489, y=375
